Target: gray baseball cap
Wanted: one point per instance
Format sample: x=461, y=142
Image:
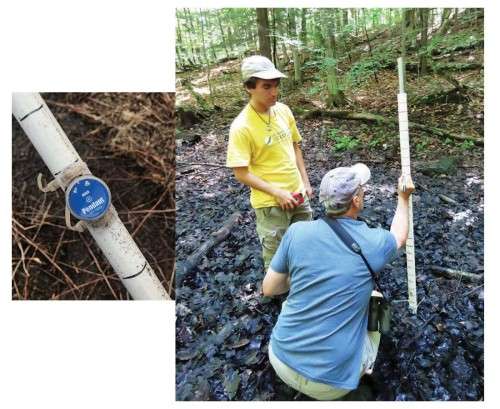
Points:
x=339, y=186
x=260, y=67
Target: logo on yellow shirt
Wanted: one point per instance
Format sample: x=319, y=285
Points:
x=268, y=140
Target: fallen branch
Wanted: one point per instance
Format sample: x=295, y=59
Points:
x=213, y=165
x=184, y=268
x=447, y=199
x=368, y=117
x=451, y=273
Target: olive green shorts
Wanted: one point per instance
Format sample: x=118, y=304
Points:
x=272, y=223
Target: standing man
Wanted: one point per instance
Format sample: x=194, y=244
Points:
x=320, y=344
x=265, y=155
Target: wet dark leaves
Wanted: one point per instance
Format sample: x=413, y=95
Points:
x=231, y=382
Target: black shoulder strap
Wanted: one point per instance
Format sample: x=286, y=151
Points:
x=350, y=243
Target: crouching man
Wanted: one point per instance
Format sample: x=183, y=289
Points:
x=320, y=344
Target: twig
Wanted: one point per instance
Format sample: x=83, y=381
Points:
x=58, y=245
x=451, y=273
x=474, y=289
x=149, y=213
x=17, y=289
x=214, y=165
x=22, y=259
x=447, y=199
x=79, y=287
x=172, y=281
x=44, y=253
x=40, y=224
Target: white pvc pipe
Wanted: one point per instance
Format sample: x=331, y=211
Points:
x=110, y=234
x=404, y=143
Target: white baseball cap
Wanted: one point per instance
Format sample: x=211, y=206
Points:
x=260, y=67
x=339, y=186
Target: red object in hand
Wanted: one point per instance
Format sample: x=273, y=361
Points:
x=299, y=197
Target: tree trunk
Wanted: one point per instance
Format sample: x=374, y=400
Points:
x=424, y=17
x=369, y=43
x=191, y=32
x=280, y=32
x=355, y=15
x=403, y=42
x=230, y=38
x=303, y=30
x=445, y=22
x=230, y=35
x=412, y=26
x=207, y=61
x=345, y=17
x=273, y=43
x=179, y=44
x=222, y=33
x=319, y=39
x=292, y=33
x=263, y=32
x=336, y=96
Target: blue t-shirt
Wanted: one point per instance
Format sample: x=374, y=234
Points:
x=321, y=329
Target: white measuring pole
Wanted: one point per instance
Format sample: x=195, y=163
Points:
x=110, y=234
x=404, y=141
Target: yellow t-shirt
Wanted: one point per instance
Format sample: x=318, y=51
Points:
x=267, y=151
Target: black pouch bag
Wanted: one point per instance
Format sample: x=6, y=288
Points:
x=379, y=312
x=379, y=315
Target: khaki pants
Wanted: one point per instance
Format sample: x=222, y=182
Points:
x=272, y=223
x=322, y=391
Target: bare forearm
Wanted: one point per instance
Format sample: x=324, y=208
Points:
x=399, y=226
x=299, y=159
x=278, y=290
x=275, y=283
x=255, y=182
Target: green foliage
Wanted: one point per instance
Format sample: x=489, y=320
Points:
x=451, y=42
x=333, y=134
x=379, y=138
x=423, y=144
x=342, y=142
x=466, y=145
x=315, y=90
x=361, y=71
x=374, y=142
x=365, y=68
x=312, y=64
x=328, y=62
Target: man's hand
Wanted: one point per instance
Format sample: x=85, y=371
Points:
x=400, y=223
x=405, y=187
x=285, y=199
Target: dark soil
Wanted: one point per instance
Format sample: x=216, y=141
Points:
x=128, y=141
x=223, y=325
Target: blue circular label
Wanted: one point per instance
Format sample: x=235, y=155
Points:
x=88, y=198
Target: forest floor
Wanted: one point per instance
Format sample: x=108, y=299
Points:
x=128, y=141
x=223, y=324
